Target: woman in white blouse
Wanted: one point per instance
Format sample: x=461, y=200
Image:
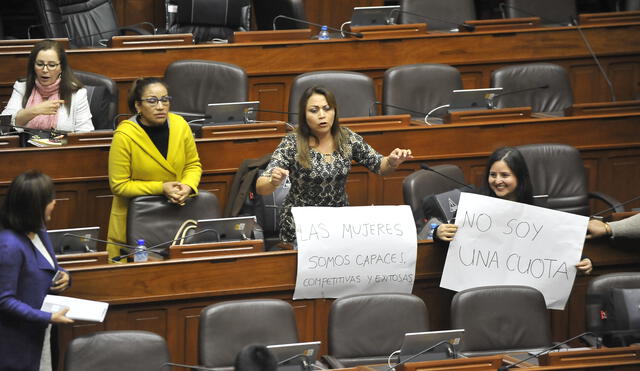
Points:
x=50, y=97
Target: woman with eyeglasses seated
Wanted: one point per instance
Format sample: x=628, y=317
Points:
x=152, y=153
x=50, y=97
x=317, y=159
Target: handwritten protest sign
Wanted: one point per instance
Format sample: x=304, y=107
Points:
x=501, y=242
x=350, y=250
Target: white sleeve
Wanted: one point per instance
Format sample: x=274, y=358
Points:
x=82, y=114
x=15, y=102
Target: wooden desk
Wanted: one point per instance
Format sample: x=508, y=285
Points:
x=272, y=66
x=609, y=144
x=166, y=297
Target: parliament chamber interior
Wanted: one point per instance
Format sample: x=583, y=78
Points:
x=566, y=80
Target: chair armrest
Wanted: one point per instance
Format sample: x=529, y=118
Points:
x=332, y=362
x=614, y=204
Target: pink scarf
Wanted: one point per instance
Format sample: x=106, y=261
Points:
x=40, y=94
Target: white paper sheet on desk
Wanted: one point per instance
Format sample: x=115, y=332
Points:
x=79, y=309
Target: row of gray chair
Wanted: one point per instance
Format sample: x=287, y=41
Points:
x=362, y=329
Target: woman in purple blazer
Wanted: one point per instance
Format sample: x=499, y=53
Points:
x=27, y=268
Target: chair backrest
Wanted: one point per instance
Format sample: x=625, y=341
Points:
x=631, y=5
x=354, y=91
x=598, y=291
x=418, y=87
x=501, y=318
x=439, y=15
x=549, y=11
x=266, y=11
x=549, y=87
x=557, y=170
x=365, y=329
x=117, y=350
x=211, y=19
x=421, y=183
x=84, y=22
x=156, y=220
x=102, y=94
x=195, y=83
x=227, y=327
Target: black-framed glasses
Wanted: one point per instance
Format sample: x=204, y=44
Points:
x=49, y=65
x=154, y=100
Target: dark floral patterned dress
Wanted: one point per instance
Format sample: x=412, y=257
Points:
x=323, y=184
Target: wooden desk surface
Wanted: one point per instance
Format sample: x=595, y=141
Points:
x=271, y=66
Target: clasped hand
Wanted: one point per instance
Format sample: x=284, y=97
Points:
x=176, y=192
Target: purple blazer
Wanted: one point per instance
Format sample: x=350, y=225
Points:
x=25, y=279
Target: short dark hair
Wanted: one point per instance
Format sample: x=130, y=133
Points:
x=69, y=84
x=514, y=159
x=254, y=357
x=138, y=87
x=23, y=209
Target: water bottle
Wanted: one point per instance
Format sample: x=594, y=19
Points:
x=141, y=254
x=432, y=229
x=324, y=34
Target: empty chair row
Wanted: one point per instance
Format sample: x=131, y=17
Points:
x=362, y=329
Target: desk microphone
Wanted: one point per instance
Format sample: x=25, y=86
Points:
x=547, y=350
x=461, y=26
x=428, y=168
x=450, y=351
x=251, y=110
x=614, y=207
x=355, y=34
x=373, y=105
x=304, y=360
x=492, y=100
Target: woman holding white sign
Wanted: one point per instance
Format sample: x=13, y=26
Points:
x=317, y=158
x=507, y=177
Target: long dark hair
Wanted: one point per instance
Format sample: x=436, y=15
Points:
x=23, y=209
x=304, y=131
x=514, y=159
x=69, y=84
x=138, y=87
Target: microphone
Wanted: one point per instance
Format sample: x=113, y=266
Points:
x=547, y=350
x=428, y=168
x=251, y=110
x=195, y=367
x=450, y=351
x=614, y=207
x=304, y=360
x=574, y=22
x=461, y=26
x=492, y=104
x=373, y=105
x=356, y=34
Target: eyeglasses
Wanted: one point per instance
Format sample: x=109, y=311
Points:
x=49, y=65
x=154, y=100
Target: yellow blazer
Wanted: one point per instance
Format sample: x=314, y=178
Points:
x=137, y=168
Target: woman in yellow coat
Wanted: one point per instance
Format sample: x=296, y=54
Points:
x=152, y=153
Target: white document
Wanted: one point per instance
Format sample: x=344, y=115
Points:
x=352, y=250
x=501, y=242
x=79, y=309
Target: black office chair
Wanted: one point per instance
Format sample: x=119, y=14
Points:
x=419, y=88
x=499, y=319
x=195, y=83
x=354, y=91
x=422, y=183
x=628, y=5
x=87, y=23
x=211, y=20
x=599, y=292
x=545, y=87
x=102, y=94
x=557, y=170
x=560, y=12
x=266, y=11
x=439, y=15
x=227, y=327
x=156, y=220
x=367, y=328
x=117, y=350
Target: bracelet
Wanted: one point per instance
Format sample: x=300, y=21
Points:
x=608, y=229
